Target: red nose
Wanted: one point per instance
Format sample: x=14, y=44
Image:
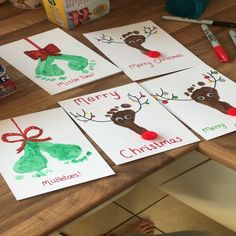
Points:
x=153, y=54
x=231, y=111
x=149, y=135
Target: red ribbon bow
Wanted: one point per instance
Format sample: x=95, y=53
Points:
x=25, y=137
x=43, y=53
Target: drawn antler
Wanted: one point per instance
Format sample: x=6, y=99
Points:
x=137, y=99
x=163, y=97
x=86, y=116
x=202, y=94
x=107, y=39
x=210, y=75
x=135, y=40
x=124, y=118
x=149, y=31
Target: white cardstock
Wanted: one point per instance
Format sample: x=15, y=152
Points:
x=201, y=97
x=127, y=123
x=56, y=61
x=46, y=151
x=143, y=50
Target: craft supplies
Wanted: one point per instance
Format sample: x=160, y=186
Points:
x=7, y=86
x=71, y=14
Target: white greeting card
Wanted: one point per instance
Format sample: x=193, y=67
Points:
x=127, y=123
x=201, y=97
x=143, y=50
x=45, y=151
x=56, y=61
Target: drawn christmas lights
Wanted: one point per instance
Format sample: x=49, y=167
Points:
x=201, y=97
x=127, y=123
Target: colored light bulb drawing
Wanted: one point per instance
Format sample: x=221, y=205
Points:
x=124, y=118
x=134, y=39
x=36, y=149
x=47, y=68
x=203, y=94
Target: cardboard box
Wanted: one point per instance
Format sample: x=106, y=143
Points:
x=72, y=13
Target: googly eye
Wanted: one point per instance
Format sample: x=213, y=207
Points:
x=128, y=117
x=139, y=40
x=210, y=95
x=119, y=119
x=201, y=98
x=131, y=42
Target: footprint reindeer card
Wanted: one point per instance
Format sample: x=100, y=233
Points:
x=45, y=151
x=143, y=50
x=56, y=61
x=201, y=97
x=127, y=123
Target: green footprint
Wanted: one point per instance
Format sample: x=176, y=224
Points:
x=62, y=152
x=31, y=161
x=48, y=70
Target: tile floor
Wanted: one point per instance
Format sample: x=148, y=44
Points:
x=146, y=200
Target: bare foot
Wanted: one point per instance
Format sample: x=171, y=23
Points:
x=143, y=226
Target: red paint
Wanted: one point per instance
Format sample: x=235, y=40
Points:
x=153, y=54
x=149, y=135
x=231, y=111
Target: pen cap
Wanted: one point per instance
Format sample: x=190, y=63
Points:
x=186, y=8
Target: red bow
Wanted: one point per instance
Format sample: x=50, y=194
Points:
x=24, y=135
x=43, y=53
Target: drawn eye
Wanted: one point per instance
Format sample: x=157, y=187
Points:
x=201, y=98
x=119, y=119
x=210, y=95
x=132, y=42
x=128, y=117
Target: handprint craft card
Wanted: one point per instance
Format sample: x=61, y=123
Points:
x=46, y=151
x=143, y=50
x=201, y=97
x=56, y=61
x=127, y=123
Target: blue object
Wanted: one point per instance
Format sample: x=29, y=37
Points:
x=2, y=70
x=186, y=8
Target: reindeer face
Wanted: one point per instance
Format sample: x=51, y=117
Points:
x=206, y=95
x=135, y=41
x=123, y=118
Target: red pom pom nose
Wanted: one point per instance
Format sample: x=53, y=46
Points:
x=153, y=54
x=231, y=111
x=149, y=135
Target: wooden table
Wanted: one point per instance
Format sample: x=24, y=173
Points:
x=43, y=214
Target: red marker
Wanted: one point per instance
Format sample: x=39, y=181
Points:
x=218, y=49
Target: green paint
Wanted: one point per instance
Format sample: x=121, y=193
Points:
x=19, y=177
x=32, y=160
x=61, y=152
x=41, y=173
x=48, y=69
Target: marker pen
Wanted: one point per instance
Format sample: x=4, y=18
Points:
x=218, y=49
x=232, y=34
